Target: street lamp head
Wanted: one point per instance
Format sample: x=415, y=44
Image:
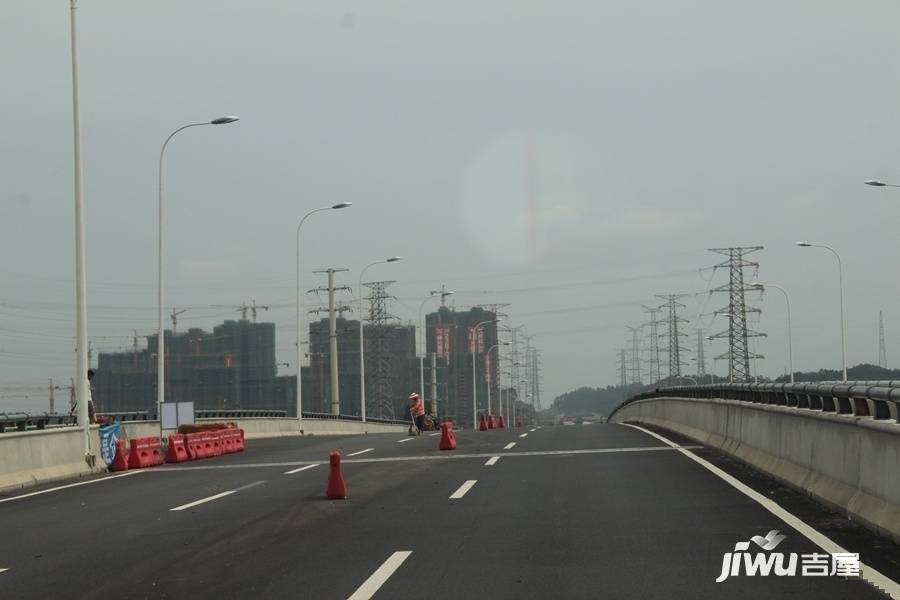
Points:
x=224, y=120
x=394, y=259
x=342, y=205
x=803, y=244
x=875, y=183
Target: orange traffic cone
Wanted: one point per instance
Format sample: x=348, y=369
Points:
x=337, y=489
x=448, y=438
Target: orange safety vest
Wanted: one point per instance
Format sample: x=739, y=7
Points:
x=418, y=408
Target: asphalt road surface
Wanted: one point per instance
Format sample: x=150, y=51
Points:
x=590, y=511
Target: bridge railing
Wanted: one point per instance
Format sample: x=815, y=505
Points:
x=851, y=398
x=26, y=421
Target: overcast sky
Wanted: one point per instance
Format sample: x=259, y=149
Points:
x=552, y=155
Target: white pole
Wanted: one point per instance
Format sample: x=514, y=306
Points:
x=362, y=361
x=81, y=359
x=474, y=388
x=841, y=290
x=299, y=313
x=790, y=332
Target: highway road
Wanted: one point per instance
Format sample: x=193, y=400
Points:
x=591, y=511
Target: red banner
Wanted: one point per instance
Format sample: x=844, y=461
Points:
x=475, y=340
x=443, y=340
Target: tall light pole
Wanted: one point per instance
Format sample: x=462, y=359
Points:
x=474, y=371
x=160, y=350
x=841, y=289
x=497, y=345
x=299, y=315
x=787, y=300
x=431, y=294
x=362, y=361
x=81, y=358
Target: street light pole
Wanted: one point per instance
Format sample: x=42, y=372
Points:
x=81, y=357
x=474, y=379
x=362, y=361
x=841, y=289
x=790, y=334
x=160, y=350
x=299, y=399
x=497, y=345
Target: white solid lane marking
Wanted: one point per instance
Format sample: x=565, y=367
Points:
x=492, y=461
x=523, y=435
x=405, y=440
x=381, y=574
x=875, y=578
x=203, y=500
x=71, y=485
x=300, y=469
x=463, y=489
x=361, y=452
x=509, y=446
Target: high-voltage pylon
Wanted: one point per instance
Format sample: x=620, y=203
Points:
x=623, y=368
x=738, y=354
x=882, y=353
x=674, y=336
x=379, y=353
x=701, y=358
x=635, y=355
x=654, y=343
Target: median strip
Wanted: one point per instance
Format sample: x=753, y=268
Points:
x=468, y=485
x=361, y=452
x=380, y=576
x=492, y=461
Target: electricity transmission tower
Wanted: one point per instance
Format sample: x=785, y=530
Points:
x=672, y=305
x=379, y=352
x=635, y=355
x=654, y=343
x=738, y=354
x=882, y=354
x=623, y=368
x=701, y=358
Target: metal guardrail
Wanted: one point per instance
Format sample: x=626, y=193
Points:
x=850, y=398
x=25, y=421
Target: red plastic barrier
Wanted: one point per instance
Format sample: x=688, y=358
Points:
x=337, y=489
x=145, y=452
x=207, y=440
x=491, y=422
x=448, y=438
x=177, y=450
x=501, y=424
x=194, y=446
x=239, y=440
x=119, y=463
x=482, y=423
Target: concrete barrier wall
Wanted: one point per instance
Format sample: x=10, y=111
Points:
x=849, y=463
x=31, y=457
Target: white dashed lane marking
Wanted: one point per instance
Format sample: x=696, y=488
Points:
x=492, y=461
x=523, y=435
x=509, y=446
x=468, y=485
x=377, y=579
x=300, y=469
x=361, y=452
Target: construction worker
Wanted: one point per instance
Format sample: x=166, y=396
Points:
x=417, y=411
